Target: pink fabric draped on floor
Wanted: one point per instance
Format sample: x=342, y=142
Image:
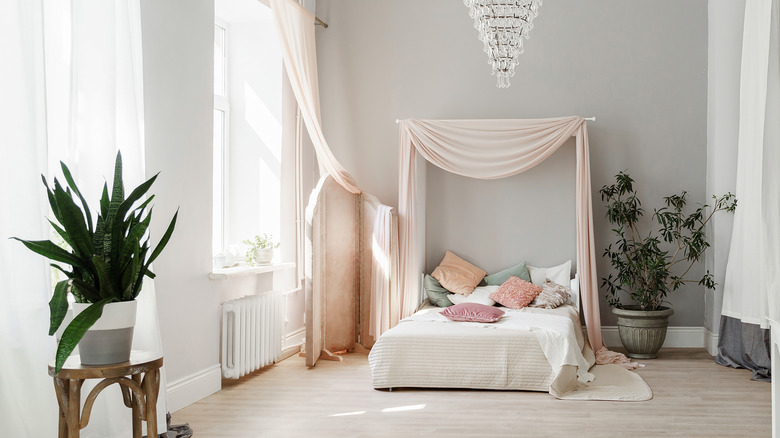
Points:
x=493, y=149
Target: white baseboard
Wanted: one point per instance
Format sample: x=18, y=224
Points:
x=711, y=342
x=294, y=339
x=195, y=387
x=676, y=337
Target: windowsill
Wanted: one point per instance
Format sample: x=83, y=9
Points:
x=245, y=270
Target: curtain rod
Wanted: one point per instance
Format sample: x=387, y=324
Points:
x=318, y=22
x=592, y=119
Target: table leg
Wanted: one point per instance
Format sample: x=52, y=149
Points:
x=137, y=414
x=151, y=384
x=61, y=389
x=74, y=407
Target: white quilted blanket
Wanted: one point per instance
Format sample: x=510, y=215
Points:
x=531, y=349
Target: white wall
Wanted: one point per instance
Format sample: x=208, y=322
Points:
x=639, y=67
x=178, y=95
x=723, y=64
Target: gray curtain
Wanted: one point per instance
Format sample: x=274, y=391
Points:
x=743, y=345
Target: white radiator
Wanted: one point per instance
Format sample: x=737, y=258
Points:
x=251, y=333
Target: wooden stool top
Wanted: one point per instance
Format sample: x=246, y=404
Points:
x=140, y=362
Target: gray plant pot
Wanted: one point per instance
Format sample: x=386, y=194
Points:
x=642, y=332
x=110, y=339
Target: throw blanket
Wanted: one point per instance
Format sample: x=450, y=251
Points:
x=559, y=337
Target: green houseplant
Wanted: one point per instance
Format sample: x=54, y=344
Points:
x=648, y=267
x=105, y=260
x=261, y=249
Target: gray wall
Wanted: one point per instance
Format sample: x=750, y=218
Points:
x=639, y=66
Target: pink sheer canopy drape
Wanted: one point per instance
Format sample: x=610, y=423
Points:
x=295, y=28
x=492, y=149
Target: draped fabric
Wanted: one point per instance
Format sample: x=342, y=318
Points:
x=83, y=100
x=385, y=301
x=295, y=27
x=492, y=149
x=752, y=282
x=28, y=407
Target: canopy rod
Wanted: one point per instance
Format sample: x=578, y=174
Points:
x=318, y=22
x=591, y=119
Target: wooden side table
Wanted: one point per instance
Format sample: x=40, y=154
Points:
x=138, y=378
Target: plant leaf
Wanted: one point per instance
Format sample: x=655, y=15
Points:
x=107, y=288
x=164, y=240
x=51, y=251
x=76, y=329
x=72, y=184
x=134, y=196
x=58, y=306
x=72, y=220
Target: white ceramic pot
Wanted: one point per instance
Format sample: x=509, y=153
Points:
x=110, y=339
x=264, y=256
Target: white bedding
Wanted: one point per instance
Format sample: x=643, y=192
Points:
x=529, y=349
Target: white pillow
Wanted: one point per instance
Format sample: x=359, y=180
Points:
x=560, y=274
x=479, y=296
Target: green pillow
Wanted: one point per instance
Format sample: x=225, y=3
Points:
x=499, y=278
x=436, y=293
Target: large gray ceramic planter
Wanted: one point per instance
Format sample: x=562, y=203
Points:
x=642, y=332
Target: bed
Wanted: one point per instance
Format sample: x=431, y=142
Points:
x=530, y=349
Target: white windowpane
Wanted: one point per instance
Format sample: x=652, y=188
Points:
x=219, y=207
x=219, y=60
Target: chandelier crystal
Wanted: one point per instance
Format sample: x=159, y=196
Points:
x=502, y=26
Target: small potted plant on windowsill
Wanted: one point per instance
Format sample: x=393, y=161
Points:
x=261, y=249
x=644, y=268
x=108, y=259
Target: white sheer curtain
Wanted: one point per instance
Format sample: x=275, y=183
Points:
x=752, y=268
x=295, y=26
x=385, y=299
x=28, y=406
x=95, y=107
x=82, y=101
x=752, y=281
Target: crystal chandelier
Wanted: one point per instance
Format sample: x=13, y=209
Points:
x=502, y=26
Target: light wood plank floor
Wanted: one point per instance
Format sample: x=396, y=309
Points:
x=693, y=397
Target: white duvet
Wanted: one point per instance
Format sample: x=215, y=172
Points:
x=530, y=349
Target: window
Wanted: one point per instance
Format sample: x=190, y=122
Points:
x=252, y=175
x=221, y=145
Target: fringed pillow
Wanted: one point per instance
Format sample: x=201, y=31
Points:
x=551, y=296
x=515, y=293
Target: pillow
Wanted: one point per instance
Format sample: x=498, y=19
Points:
x=457, y=275
x=560, y=274
x=480, y=295
x=551, y=296
x=515, y=293
x=473, y=312
x=500, y=277
x=436, y=294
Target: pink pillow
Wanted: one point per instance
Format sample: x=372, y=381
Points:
x=472, y=312
x=515, y=293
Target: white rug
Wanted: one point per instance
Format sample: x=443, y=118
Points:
x=613, y=383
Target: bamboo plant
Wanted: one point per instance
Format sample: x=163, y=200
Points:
x=104, y=260
x=648, y=267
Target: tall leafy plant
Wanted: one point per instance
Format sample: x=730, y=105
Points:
x=106, y=259
x=648, y=267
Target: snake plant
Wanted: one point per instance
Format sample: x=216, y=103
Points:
x=105, y=260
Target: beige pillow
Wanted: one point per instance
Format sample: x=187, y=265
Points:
x=457, y=275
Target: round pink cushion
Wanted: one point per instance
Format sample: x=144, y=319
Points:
x=473, y=312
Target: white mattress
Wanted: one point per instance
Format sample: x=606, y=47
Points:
x=426, y=350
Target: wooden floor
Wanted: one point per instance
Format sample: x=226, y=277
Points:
x=693, y=397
